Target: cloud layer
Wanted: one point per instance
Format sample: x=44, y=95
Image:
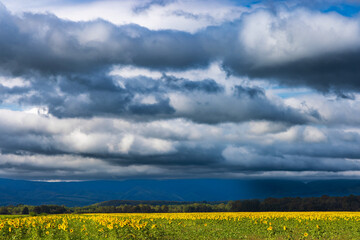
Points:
x=294, y=47
x=248, y=91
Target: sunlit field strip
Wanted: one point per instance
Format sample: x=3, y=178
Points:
x=244, y=225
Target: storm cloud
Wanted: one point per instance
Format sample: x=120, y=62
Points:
x=262, y=90
x=178, y=146
x=294, y=47
x=146, y=99
x=62, y=46
x=300, y=47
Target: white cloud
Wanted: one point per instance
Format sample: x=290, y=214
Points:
x=312, y=134
x=36, y=141
x=125, y=144
x=12, y=82
x=240, y=156
x=333, y=111
x=131, y=71
x=97, y=32
x=182, y=15
x=270, y=129
x=288, y=36
x=69, y=167
x=290, y=135
x=264, y=127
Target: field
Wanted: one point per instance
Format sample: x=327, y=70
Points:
x=272, y=225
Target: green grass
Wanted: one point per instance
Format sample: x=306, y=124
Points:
x=201, y=226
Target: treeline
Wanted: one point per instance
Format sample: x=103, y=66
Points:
x=324, y=203
x=34, y=210
x=147, y=208
x=140, y=208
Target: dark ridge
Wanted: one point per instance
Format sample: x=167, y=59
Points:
x=13, y=192
x=116, y=203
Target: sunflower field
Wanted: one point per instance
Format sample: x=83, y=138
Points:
x=244, y=225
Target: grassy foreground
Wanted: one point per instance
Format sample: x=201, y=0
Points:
x=270, y=225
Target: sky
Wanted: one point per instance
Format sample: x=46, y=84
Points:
x=164, y=89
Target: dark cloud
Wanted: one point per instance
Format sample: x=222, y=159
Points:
x=32, y=143
x=335, y=152
x=230, y=109
x=203, y=157
x=51, y=45
x=250, y=92
x=99, y=94
x=6, y=91
x=78, y=96
x=100, y=124
x=325, y=73
x=344, y=95
x=207, y=85
x=184, y=157
x=148, y=4
x=271, y=46
x=161, y=107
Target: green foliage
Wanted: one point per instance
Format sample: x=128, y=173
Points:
x=25, y=211
x=324, y=203
x=179, y=226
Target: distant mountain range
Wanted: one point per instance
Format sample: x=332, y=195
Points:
x=14, y=192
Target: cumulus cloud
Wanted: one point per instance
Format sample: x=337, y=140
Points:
x=103, y=99
x=189, y=16
x=63, y=46
x=169, y=146
x=299, y=47
x=145, y=99
x=44, y=146
x=332, y=109
x=291, y=46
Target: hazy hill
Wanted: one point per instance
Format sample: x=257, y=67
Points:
x=90, y=192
